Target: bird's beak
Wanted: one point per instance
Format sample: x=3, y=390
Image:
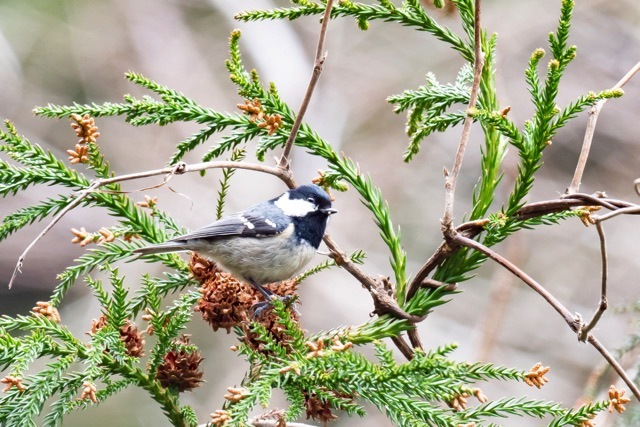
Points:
x=329, y=211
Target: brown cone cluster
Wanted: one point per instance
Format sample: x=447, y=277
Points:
x=180, y=368
x=227, y=302
x=129, y=334
x=272, y=323
x=318, y=409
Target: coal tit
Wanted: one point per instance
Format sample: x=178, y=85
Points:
x=268, y=242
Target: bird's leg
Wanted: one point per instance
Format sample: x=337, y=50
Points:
x=266, y=293
x=259, y=307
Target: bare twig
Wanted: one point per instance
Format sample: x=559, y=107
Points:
x=315, y=75
x=452, y=176
x=629, y=210
x=178, y=169
x=594, y=112
x=53, y=222
x=614, y=364
x=574, y=322
x=602, y=305
x=384, y=303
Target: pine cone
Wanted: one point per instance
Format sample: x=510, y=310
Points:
x=225, y=301
x=132, y=339
x=179, y=369
x=317, y=409
x=272, y=323
x=129, y=334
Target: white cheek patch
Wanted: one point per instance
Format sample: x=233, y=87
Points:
x=295, y=207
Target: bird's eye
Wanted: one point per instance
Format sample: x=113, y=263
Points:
x=310, y=200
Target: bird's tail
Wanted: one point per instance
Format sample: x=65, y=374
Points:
x=161, y=248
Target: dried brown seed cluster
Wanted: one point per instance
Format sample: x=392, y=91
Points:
x=45, y=309
x=149, y=202
x=320, y=410
x=617, y=399
x=459, y=402
x=253, y=109
x=180, y=368
x=82, y=236
x=89, y=392
x=535, y=376
x=11, y=382
x=277, y=330
x=588, y=423
x=86, y=129
x=236, y=394
x=271, y=122
x=129, y=334
x=585, y=214
x=219, y=418
x=227, y=302
x=320, y=180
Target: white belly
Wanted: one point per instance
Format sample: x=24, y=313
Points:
x=261, y=259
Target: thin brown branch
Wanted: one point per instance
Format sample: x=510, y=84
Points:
x=532, y=210
x=574, y=322
x=179, y=169
x=614, y=364
x=602, y=305
x=53, y=222
x=594, y=112
x=452, y=176
x=414, y=338
x=402, y=345
x=315, y=75
x=629, y=210
x=383, y=301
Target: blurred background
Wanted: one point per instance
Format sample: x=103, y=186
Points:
x=62, y=52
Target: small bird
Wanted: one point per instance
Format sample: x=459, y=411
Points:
x=268, y=242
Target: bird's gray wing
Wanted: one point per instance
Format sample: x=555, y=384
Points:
x=245, y=224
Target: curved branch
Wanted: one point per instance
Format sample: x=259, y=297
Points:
x=574, y=322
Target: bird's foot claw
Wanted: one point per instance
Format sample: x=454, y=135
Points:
x=288, y=301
